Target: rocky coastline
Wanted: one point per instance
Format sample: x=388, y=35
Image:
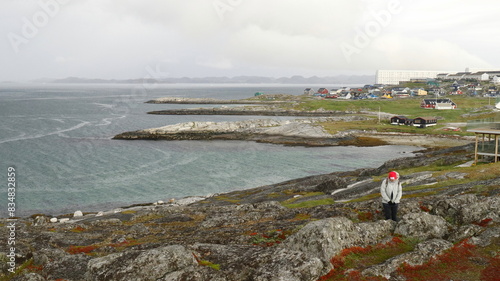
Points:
x=299, y=132
x=289, y=132
x=180, y=100
x=247, y=111
x=302, y=229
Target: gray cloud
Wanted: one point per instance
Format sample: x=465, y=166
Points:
x=121, y=39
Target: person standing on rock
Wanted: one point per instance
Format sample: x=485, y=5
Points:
x=391, y=192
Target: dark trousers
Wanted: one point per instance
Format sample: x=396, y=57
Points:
x=390, y=211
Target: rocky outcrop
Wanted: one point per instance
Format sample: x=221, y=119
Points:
x=247, y=111
x=290, y=132
x=154, y=264
x=423, y=226
x=180, y=100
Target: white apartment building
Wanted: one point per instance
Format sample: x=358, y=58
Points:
x=393, y=77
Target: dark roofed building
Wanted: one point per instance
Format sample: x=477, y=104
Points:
x=423, y=122
x=401, y=120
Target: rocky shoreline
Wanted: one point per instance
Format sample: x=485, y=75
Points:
x=290, y=132
x=246, y=111
x=300, y=132
x=179, y=100
x=295, y=230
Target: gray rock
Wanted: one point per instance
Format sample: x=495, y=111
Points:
x=106, y=222
x=464, y=232
x=452, y=175
x=334, y=183
x=422, y=225
x=140, y=265
x=373, y=232
x=417, y=178
x=449, y=208
x=29, y=277
x=70, y=267
x=487, y=237
x=323, y=239
x=196, y=273
x=477, y=211
x=138, y=230
x=286, y=265
x=41, y=220
x=174, y=218
x=245, y=213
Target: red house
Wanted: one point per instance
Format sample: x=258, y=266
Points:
x=323, y=91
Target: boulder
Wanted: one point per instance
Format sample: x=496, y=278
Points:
x=464, y=232
x=289, y=265
x=449, y=208
x=422, y=225
x=69, y=267
x=140, y=265
x=487, y=237
x=372, y=233
x=40, y=220
x=323, y=239
x=487, y=208
x=334, y=183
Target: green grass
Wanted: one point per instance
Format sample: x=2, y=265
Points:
x=309, y=204
x=209, y=264
x=475, y=173
x=409, y=107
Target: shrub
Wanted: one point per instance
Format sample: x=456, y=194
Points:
x=457, y=263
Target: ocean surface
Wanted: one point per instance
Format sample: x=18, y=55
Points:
x=58, y=138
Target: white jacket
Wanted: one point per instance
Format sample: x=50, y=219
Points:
x=388, y=188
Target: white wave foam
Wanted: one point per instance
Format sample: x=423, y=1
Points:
x=60, y=131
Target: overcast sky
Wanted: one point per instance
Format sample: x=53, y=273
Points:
x=123, y=39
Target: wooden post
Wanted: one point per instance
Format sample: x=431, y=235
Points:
x=496, y=148
x=475, y=151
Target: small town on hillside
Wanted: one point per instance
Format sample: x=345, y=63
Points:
x=436, y=88
x=406, y=83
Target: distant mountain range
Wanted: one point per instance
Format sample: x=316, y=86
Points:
x=340, y=79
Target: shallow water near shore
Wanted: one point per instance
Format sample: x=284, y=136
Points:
x=58, y=138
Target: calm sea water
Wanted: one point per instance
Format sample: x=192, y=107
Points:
x=59, y=140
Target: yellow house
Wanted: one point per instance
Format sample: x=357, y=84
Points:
x=421, y=92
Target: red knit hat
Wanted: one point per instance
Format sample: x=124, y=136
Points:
x=393, y=175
